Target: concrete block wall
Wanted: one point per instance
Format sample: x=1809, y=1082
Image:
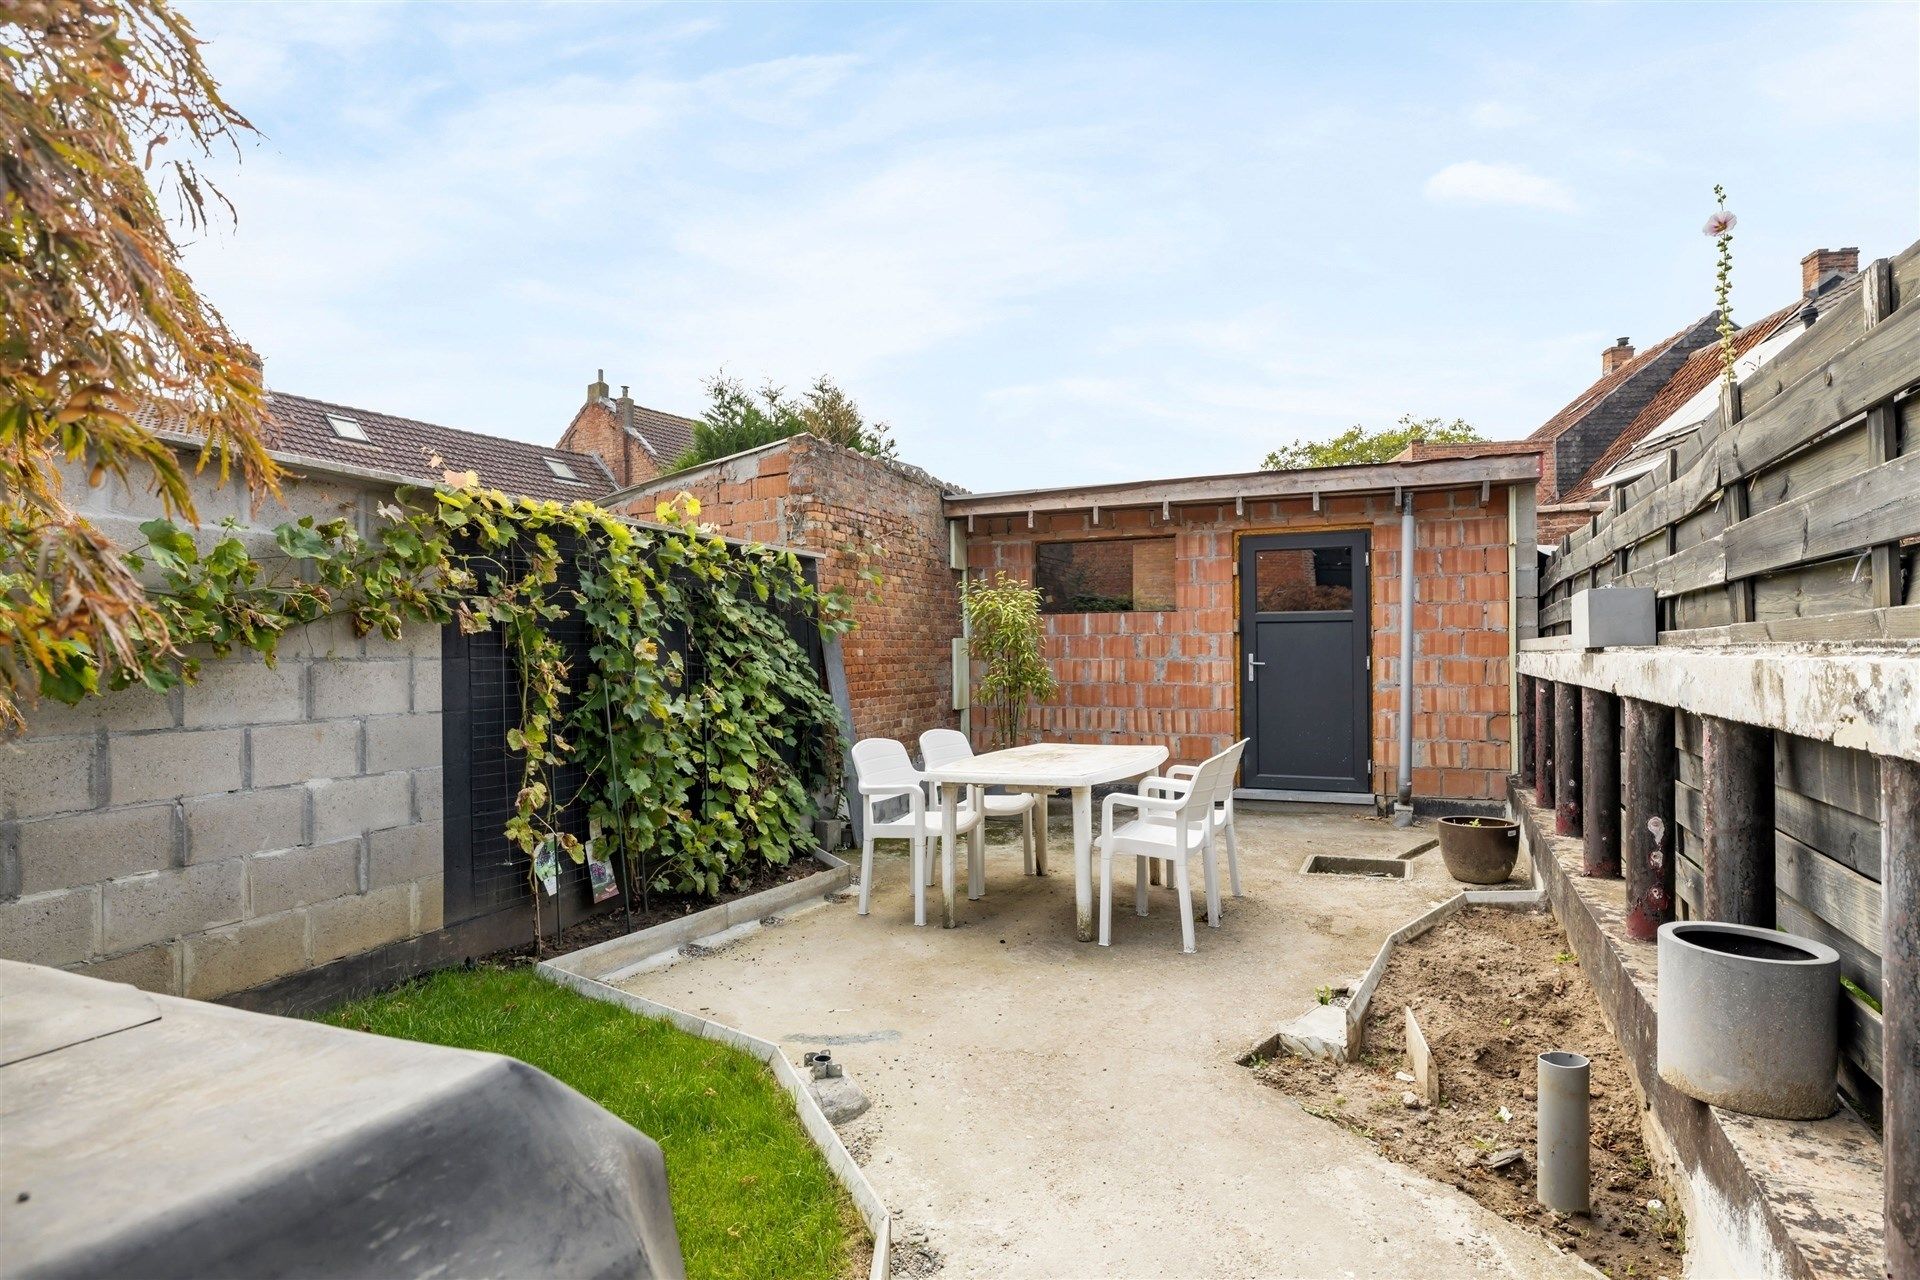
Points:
x=1171, y=677
x=259, y=822
x=861, y=514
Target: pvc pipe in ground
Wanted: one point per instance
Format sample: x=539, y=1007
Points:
x=1562, y=1151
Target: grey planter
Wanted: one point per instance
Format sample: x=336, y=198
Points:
x=1479, y=850
x=1749, y=1018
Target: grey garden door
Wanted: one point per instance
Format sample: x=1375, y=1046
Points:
x=1303, y=661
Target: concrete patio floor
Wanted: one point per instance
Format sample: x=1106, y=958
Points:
x=1046, y=1107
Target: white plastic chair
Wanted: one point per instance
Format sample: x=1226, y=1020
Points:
x=947, y=746
x=1180, y=776
x=1170, y=827
x=885, y=772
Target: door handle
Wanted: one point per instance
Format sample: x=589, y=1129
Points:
x=1252, y=662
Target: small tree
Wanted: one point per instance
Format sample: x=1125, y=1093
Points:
x=738, y=419
x=1357, y=444
x=1003, y=623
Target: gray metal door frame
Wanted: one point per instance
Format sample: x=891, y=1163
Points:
x=1257, y=775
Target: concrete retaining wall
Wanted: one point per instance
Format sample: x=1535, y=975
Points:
x=260, y=822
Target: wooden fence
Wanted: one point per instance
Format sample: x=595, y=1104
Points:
x=1761, y=764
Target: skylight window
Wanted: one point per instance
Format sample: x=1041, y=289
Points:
x=561, y=470
x=348, y=429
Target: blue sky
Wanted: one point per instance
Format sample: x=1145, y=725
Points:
x=1047, y=244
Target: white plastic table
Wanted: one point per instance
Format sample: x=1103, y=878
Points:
x=1043, y=767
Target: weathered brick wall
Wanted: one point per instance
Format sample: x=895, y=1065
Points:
x=262, y=821
x=1171, y=677
x=861, y=514
x=596, y=429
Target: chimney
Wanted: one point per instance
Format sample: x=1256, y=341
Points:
x=1615, y=356
x=597, y=389
x=1821, y=263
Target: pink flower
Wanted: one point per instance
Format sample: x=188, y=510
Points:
x=1720, y=223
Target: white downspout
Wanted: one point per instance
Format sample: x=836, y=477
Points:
x=1403, y=805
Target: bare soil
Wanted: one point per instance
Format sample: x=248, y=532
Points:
x=1493, y=989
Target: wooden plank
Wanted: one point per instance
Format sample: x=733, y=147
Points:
x=1876, y=368
x=1835, y=588
x=1900, y=958
x=1688, y=885
x=1880, y=504
x=1833, y=775
x=1882, y=430
x=1689, y=810
x=1847, y=838
x=1842, y=897
x=1420, y=1063
x=1835, y=458
x=1858, y=963
x=1863, y=1036
x=1557, y=614
x=1901, y=622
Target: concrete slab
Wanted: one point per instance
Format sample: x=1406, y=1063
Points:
x=1047, y=1107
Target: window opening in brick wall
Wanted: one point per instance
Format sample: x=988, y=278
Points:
x=1304, y=580
x=1112, y=576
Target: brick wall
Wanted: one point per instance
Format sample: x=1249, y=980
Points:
x=1171, y=677
x=260, y=822
x=860, y=513
x=596, y=429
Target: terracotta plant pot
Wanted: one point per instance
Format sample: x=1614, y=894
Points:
x=1479, y=850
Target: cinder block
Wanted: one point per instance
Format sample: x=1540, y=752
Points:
x=429, y=904
x=328, y=638
x=45, y=775
x=154, y=968
x=243, y=822
x=167, y=904
x=345, y=807
x=1606, y=616
x=284, y=753
x=428, y=795
x=101, y=844
x=420, y=639
x=290, y=878
x=348, y=926
x=128, y=710
x=426, y=683
x=182, y=762
x=231, y=692
x=55, y=928
x=405, y=854
x=222, y=961
x=362, y=687
x=402, y=742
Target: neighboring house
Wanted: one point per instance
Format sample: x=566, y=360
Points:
x=1667, y=388
x=634, y=442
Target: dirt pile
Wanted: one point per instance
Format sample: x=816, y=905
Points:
x=1493, y=989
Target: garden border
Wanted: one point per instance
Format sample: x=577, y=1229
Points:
x=582, y=971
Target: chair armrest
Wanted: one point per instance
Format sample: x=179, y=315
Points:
x=882, y=790
x=1156, y=786
x=1187, y=771
x=1144, y=803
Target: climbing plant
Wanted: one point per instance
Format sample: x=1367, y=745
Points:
x=1004, y=633
x=700, y=720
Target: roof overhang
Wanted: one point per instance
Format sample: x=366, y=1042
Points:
x=1254, y=486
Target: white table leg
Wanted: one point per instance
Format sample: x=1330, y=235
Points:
x=1083, y=863
x=949, y=796
x=1040, y=833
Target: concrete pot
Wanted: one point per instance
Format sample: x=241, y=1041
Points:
x=1749, y=1018
x=1479, y=850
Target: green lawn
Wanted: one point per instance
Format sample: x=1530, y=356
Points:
x=751, y=1195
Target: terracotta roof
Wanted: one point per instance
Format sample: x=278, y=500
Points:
x=1608, y=383
x=665, y=435
x=423, y=452
x=1699, y=371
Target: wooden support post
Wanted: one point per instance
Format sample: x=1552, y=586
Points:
x=1736, y=765
x=1883, y=436
x=1543, y=742
x=1900, y=999
x=1525, y=730
x=1647, y=838
x=1600, y=783
x=1566, y=760
x=1734, y=496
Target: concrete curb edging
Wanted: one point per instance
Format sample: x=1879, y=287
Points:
x=578, y=971
x=1337, y=1033
x=605, y=958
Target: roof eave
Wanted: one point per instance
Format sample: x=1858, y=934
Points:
x=1377, y=477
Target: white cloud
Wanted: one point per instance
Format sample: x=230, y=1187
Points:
x=1474, y=182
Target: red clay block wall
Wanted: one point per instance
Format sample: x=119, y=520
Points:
x=862, y=514
x=1170, y=676
x=595, y=430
